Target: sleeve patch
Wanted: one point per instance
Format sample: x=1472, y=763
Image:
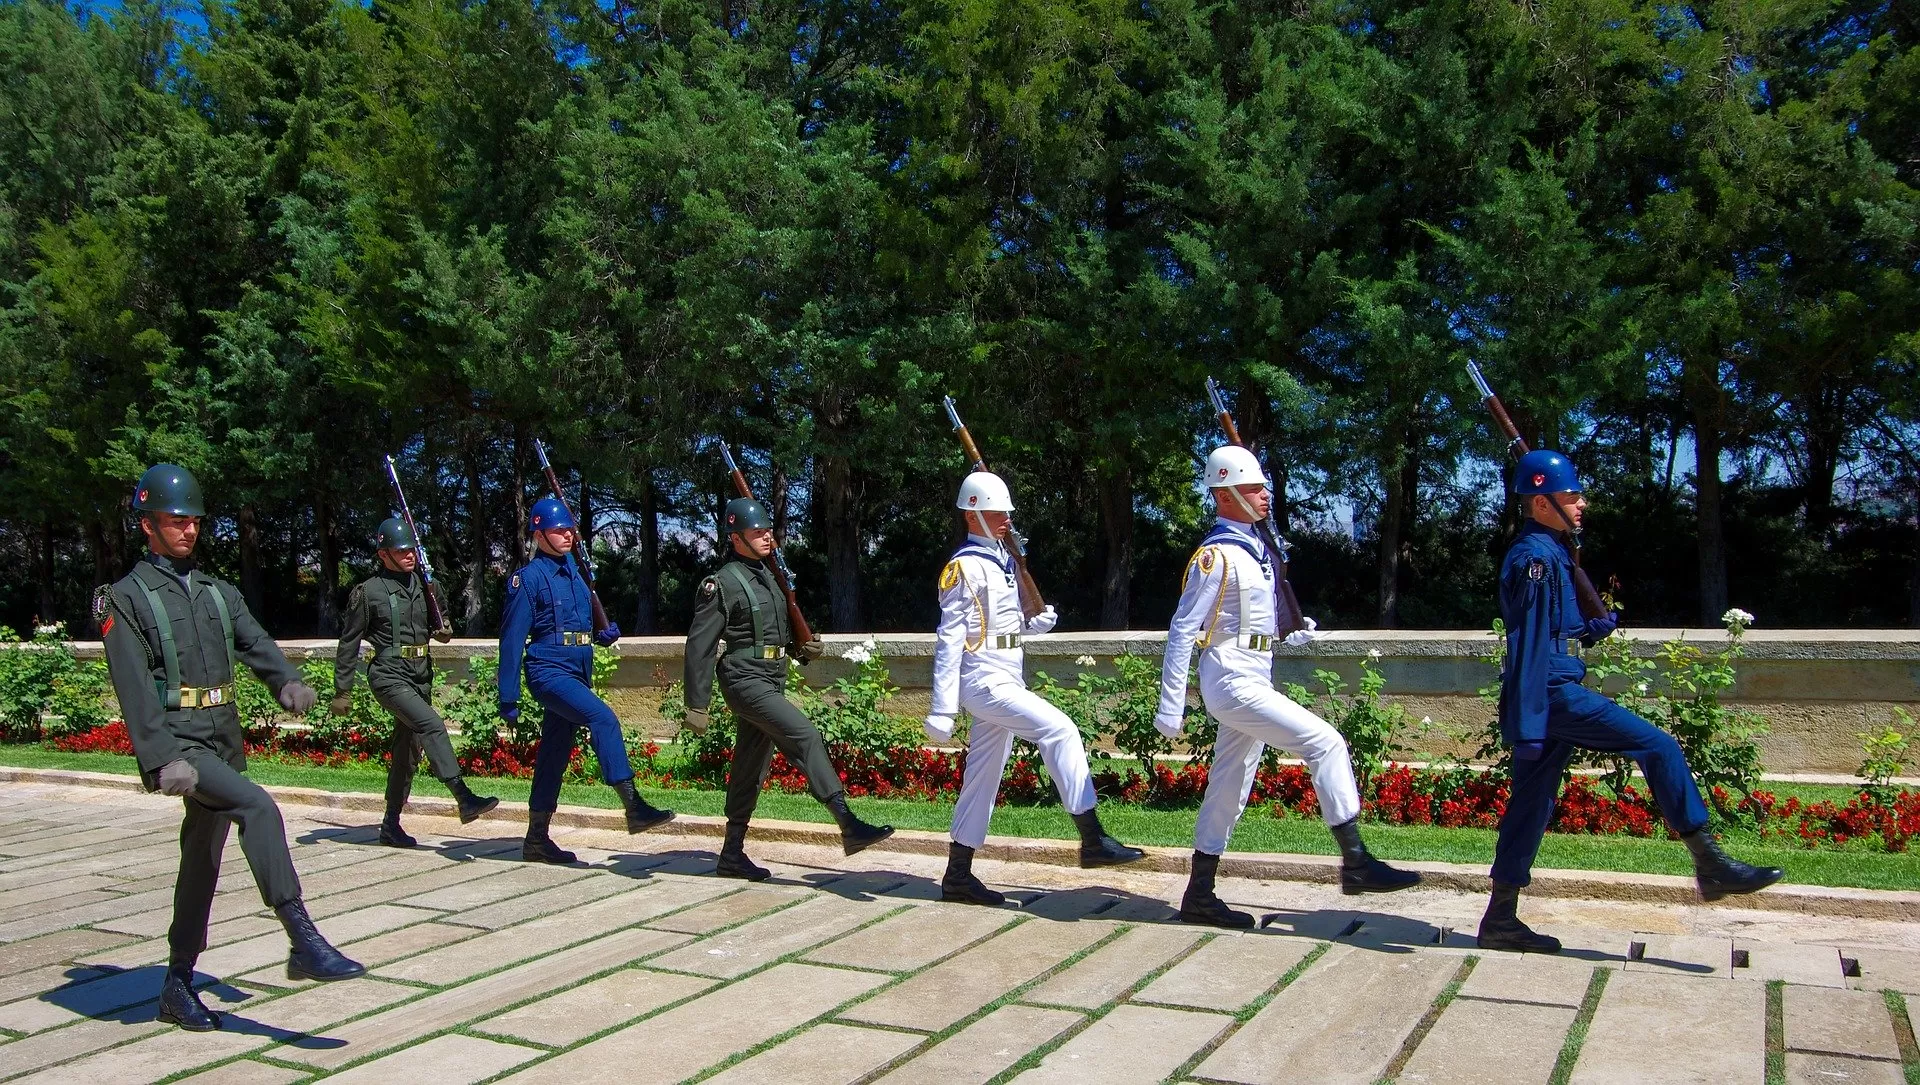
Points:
x=1536, y=569
x=950, y=576
x=708, y=587
x=1206, y=559
x=514, y=585
x=106, y=624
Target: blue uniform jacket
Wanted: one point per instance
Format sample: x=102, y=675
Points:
x=545, y=599
x=1541, y=614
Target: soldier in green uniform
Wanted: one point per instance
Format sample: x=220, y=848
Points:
x=173, y=638
x=743, y=604
x=389, y=611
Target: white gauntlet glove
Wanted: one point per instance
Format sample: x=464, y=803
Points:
x=939, y=728
x=1300, y=638
x=1169, y=725
x=1042, y=622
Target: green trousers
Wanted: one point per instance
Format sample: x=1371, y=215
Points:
x=417, y=729
x=755, y=691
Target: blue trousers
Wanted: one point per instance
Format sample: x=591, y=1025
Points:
x=570, y=705
x=1579, y=718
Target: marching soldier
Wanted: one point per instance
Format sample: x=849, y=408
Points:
x=1230, y=609
x=1547, y=714
x=174, y=637
x=743, y=604
x=389, y=611
x=547, y=624
x=978, y=666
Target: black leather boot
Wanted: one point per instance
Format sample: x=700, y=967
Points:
x=392, y=835
x=959, y=886
x=472, y=807
x=538, y=847
x=312, y=957
x=1501, y=928
x=733, y=861
x=855, y=835
x=1097, y=848
x=1360, y=872
x=641, y=814
x=180, y=1004
x=1200, y=905
x=1720, y=875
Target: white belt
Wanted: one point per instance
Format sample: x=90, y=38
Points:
x=1254, y=642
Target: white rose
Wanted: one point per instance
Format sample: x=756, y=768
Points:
x=1084, y=661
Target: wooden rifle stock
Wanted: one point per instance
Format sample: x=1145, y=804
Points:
x=1031, y=602
x=1269, y=534
x=442, y=632
x=580, y=559
x=1591, y=605
x=805, y=642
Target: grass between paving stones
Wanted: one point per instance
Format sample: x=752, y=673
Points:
x=1577, y=1032
x=1851, y=866
x=1776, y=1032
x=1429, y=1019
x=1903, y=1035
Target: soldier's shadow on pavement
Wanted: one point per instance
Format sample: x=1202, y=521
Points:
x=130, y=997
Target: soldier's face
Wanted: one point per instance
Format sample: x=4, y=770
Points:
x=170, y=536
x=754, y=542
x=557, y=542
x=996, y=524
x=1574, y=504
x=1251, y=503
x=400, y=561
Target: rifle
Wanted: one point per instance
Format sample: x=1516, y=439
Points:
x=1269, y=532
x=586, y=567
x=1591, y=605
x=442, y=632
x=807, y=646
x=1031, y=604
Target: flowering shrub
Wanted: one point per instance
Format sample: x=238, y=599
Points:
x=109, y=737
x=45, y=690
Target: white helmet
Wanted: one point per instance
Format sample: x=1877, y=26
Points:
x=1231, y=465
x=984, y=491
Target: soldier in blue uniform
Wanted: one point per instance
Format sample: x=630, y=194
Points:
x=547, y=624
x=1547, y=714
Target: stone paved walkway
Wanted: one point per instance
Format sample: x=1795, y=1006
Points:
x=640, y=967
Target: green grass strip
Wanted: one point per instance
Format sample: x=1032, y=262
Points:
x=1577, y=1034
x=1903, y=1034
x=1776, y=1032
x=1429, y=1019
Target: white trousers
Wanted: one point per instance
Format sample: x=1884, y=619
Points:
x=1003, y=709
x=1252, y=716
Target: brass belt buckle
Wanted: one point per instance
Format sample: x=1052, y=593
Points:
x=772, y=651
x=574, y=639
x=205, y=696
x=1006, y=640
x=412, y=651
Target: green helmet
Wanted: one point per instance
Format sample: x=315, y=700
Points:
x=745, y=514
x=168, y=488
x=396, y=535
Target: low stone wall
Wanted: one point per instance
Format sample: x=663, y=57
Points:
x=1817, y=688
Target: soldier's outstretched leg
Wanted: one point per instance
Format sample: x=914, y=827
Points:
x=574, y=702
x=415, y=714
x=788, y=730
x=1025, y=714
x=263, y=839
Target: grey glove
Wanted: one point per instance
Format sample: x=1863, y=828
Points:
x=697, y=720
x=297, y=698
x=341, y=704
x=178, y=778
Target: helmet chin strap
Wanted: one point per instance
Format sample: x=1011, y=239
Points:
x=1245, y=506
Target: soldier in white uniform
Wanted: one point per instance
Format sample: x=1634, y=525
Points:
x=978, y=666
x=1229, y=609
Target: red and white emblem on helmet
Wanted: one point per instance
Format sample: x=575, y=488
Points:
x=143, y=495
x=972, y=500
x=1223, y=472
x=1539, y=480
x=536, y=521
x=730, y=518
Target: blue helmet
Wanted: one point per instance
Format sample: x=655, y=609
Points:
x=1544, y=471
x=549, y=514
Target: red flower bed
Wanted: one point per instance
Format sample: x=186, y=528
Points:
x=110, y=738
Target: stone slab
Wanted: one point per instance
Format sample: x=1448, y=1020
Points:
x=1490, y=1043
x=164, y=1055
x=581, y=890
x=446, y=1009
x=1548, y=981
x=1886, y=969
x=1133, y=1044
x=679, y=1043
x=1227, y=973
x=387, y=892
x=915, y=938
x=73, y=1042
x=1346, y=1017
x=57, y=904
x=961, y=985
x=1808, y=966
x=566, y=1018
x=826, y=1054
x=1839, y=1023
x=744, y=948
x=326, y=1004
x=443, y=1060
x=373, y=952
x=245, y=1072
x=728, y=910
x=39, y=981
x=262, y=950
x=533, y=938
x=99, y=914
x=1804, y=1069
x=1684, y=955
x=983, y=1050
x=480, y=892
x=1653, y=1028
x=43, y=888
x=154, y=950
x=57, y=948
x=1110, y=971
